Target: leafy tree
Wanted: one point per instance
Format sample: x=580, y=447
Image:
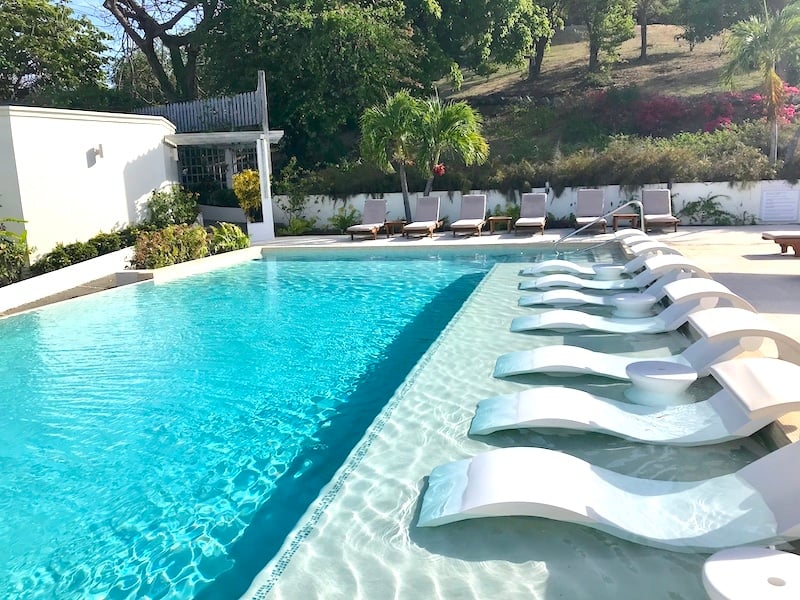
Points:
x=645, y=9
x=42, y=46
x=326, y=65
x=703, y=19
x=448, y=128
x=608, y=23
x=387, y=138
x=759, y=43
x=151, y=24
x=555, y=13
x=478, y=34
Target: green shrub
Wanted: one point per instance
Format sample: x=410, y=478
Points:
x=57, y=258
x=13, y=257
x=345, y=218
x=105, y=243
x=169, y=246
x=247, y=189
x=172, y=205
x=80, y=251
x=297, y=226
x=226, y=237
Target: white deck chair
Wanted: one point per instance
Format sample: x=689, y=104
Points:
x=532, y=212
x=754, y=393
x=657, y=208
x=558, y=265
x=722, y=334
x=609, y=277
x=652, y=293
x=756, y=505
x=590, y=205
x=473, y=214
x=426, y=217
x=686, y=297
x=372, y=219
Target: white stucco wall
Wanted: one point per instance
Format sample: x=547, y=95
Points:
x=745, y=200
x=66, y=192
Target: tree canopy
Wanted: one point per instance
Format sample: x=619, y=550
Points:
x=43, y=47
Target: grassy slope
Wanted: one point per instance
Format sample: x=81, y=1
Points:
x=671, y=69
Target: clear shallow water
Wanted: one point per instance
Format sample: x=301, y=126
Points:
x=161, y=441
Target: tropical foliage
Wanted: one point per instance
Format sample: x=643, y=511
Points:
x=43, y=47
x=761, y=42
x=405, y=131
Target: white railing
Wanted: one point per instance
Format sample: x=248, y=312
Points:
x=563, y=238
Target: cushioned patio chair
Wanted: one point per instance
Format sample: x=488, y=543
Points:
x=657, y=208
x=532, y=212
x=372, y=219
x=426, y=217
x=756, y=505
x=589, y=206
x=473, y=215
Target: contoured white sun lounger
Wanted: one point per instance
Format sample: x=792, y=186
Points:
x=653, y=268
x=754, y=393
x=687, y=296
x=569, y=297
x=723, y=333
x=756, y=505
x=640, y=251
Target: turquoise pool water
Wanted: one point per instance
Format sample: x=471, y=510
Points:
x=161, y=441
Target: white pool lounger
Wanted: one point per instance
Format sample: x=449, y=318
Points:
x=641, y=251
x=756, y=505
x=723, y=333
x=687, y=296
x=754, y=394
x=570, y=297
x=654, y=267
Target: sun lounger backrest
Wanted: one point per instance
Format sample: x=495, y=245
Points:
x=656, y=202
x=374, y=211
x=590, y=203
x=533, y=205
x=427, y=209
x=777, y=479
x=473, y=206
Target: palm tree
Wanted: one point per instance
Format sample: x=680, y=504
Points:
x=388, y=137
x=759, y=43
x=449, y=128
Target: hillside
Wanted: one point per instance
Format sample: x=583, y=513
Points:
x=671, y=68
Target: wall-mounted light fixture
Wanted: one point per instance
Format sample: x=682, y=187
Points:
x=98, y=150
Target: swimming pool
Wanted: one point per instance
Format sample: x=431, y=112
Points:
x=359, y=539
x=162, y=440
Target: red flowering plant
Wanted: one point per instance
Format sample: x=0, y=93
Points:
x=438, y=170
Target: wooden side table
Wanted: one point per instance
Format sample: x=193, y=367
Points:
x=493, y=221
x=393, y=227
x=633, y=218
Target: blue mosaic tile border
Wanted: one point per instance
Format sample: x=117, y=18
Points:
x=357, y=456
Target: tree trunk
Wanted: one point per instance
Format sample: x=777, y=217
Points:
x=429, y=186
x=643, y=31
x=535, y=59
x=773, y=140
x=594, y=54
x=401, y=169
